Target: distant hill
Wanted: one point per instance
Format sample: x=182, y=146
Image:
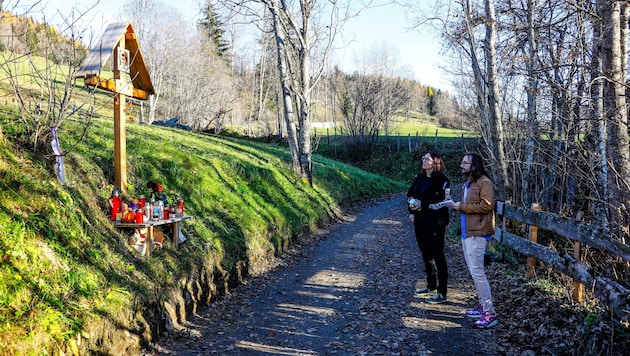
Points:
x=25, y=36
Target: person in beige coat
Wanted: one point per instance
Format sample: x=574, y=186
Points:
x=477, y=224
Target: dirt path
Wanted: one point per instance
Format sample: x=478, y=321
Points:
x=351, y=293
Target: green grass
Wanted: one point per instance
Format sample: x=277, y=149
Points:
x=67, y=271
x=425, y=128
x=42, y=82
x=420, y=125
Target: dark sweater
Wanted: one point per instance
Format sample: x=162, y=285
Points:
x=429, y=190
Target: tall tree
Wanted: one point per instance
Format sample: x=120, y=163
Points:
x=561, y=118
x=497, y=135
x=598, y=134
x=482, y=59
x=370, y=97
x=305, y=32
x=159, y=30
x=532, y=66
x=211, y=26
x=614, y=36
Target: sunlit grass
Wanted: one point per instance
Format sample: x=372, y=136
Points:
x=412, y=128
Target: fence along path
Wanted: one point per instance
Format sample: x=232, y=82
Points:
x=609, y=291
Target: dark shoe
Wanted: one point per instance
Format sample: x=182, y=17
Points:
x=425, y=291
x=436, y=298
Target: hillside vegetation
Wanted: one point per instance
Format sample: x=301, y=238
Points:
x=70, y=280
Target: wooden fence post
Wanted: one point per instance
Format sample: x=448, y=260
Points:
x=335, y=140
x=578, y=288
x=417, y=142
x=533, y=237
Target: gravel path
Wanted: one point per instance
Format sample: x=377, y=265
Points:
x=349, y=291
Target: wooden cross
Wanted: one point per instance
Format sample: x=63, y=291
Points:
x=120, y=42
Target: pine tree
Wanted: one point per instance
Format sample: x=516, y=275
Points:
x=212, y=27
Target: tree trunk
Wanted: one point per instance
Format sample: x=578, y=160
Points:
x=306, y=169
x=280, y=113
x=532, y=104
x=618, y=150
x=498, y=152
x=615, y=147
x=478, y=76
x=597, y=207
x=287, y=100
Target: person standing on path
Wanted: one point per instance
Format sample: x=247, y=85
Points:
x=430, y=186
x=477, y=225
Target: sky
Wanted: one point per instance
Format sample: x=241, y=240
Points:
x=417, y=51
x=387, y=27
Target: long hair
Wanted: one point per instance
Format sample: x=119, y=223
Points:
x=438, y=164
x=477, y=169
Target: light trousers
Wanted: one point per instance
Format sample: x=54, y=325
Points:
x=474, y=251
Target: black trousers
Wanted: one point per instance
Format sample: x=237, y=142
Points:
x=430, y=238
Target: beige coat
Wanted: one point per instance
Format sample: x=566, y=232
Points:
x=479, y=208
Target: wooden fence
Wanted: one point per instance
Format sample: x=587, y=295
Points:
x=334, y=136
x=608, y=291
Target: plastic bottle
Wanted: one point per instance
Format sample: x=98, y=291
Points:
x=158, y=210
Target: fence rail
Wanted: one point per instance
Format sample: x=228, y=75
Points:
x=610, y=292
x=407, y=142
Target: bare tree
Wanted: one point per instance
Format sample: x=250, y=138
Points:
x=40, y=56
x=496, y=135
x=161, y=32
x=482, y=57
x=206, y=104
x=305, y=32
x=614, y=38
x=561, y=68
x=369, y=98
x=532, y=69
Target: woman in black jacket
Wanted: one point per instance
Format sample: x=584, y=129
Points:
x=431, y=186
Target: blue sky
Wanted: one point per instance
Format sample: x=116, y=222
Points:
x=383, y=27
x=388, y=26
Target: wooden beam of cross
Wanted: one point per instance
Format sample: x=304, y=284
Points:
x=119, y=51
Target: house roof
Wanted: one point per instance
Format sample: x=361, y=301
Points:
x=92, y=67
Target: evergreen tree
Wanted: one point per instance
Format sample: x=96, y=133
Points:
x=212, y=28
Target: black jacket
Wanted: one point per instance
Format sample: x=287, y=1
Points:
x=429, y=190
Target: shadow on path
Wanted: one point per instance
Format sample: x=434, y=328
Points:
x=351, y=294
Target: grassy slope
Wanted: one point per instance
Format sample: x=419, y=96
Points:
x=67, y=272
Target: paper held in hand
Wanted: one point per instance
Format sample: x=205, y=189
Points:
x=441, y=204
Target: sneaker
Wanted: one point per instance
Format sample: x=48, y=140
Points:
x=425, y=291
x=486, y=321
x=436, y=298
x=476, y=313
